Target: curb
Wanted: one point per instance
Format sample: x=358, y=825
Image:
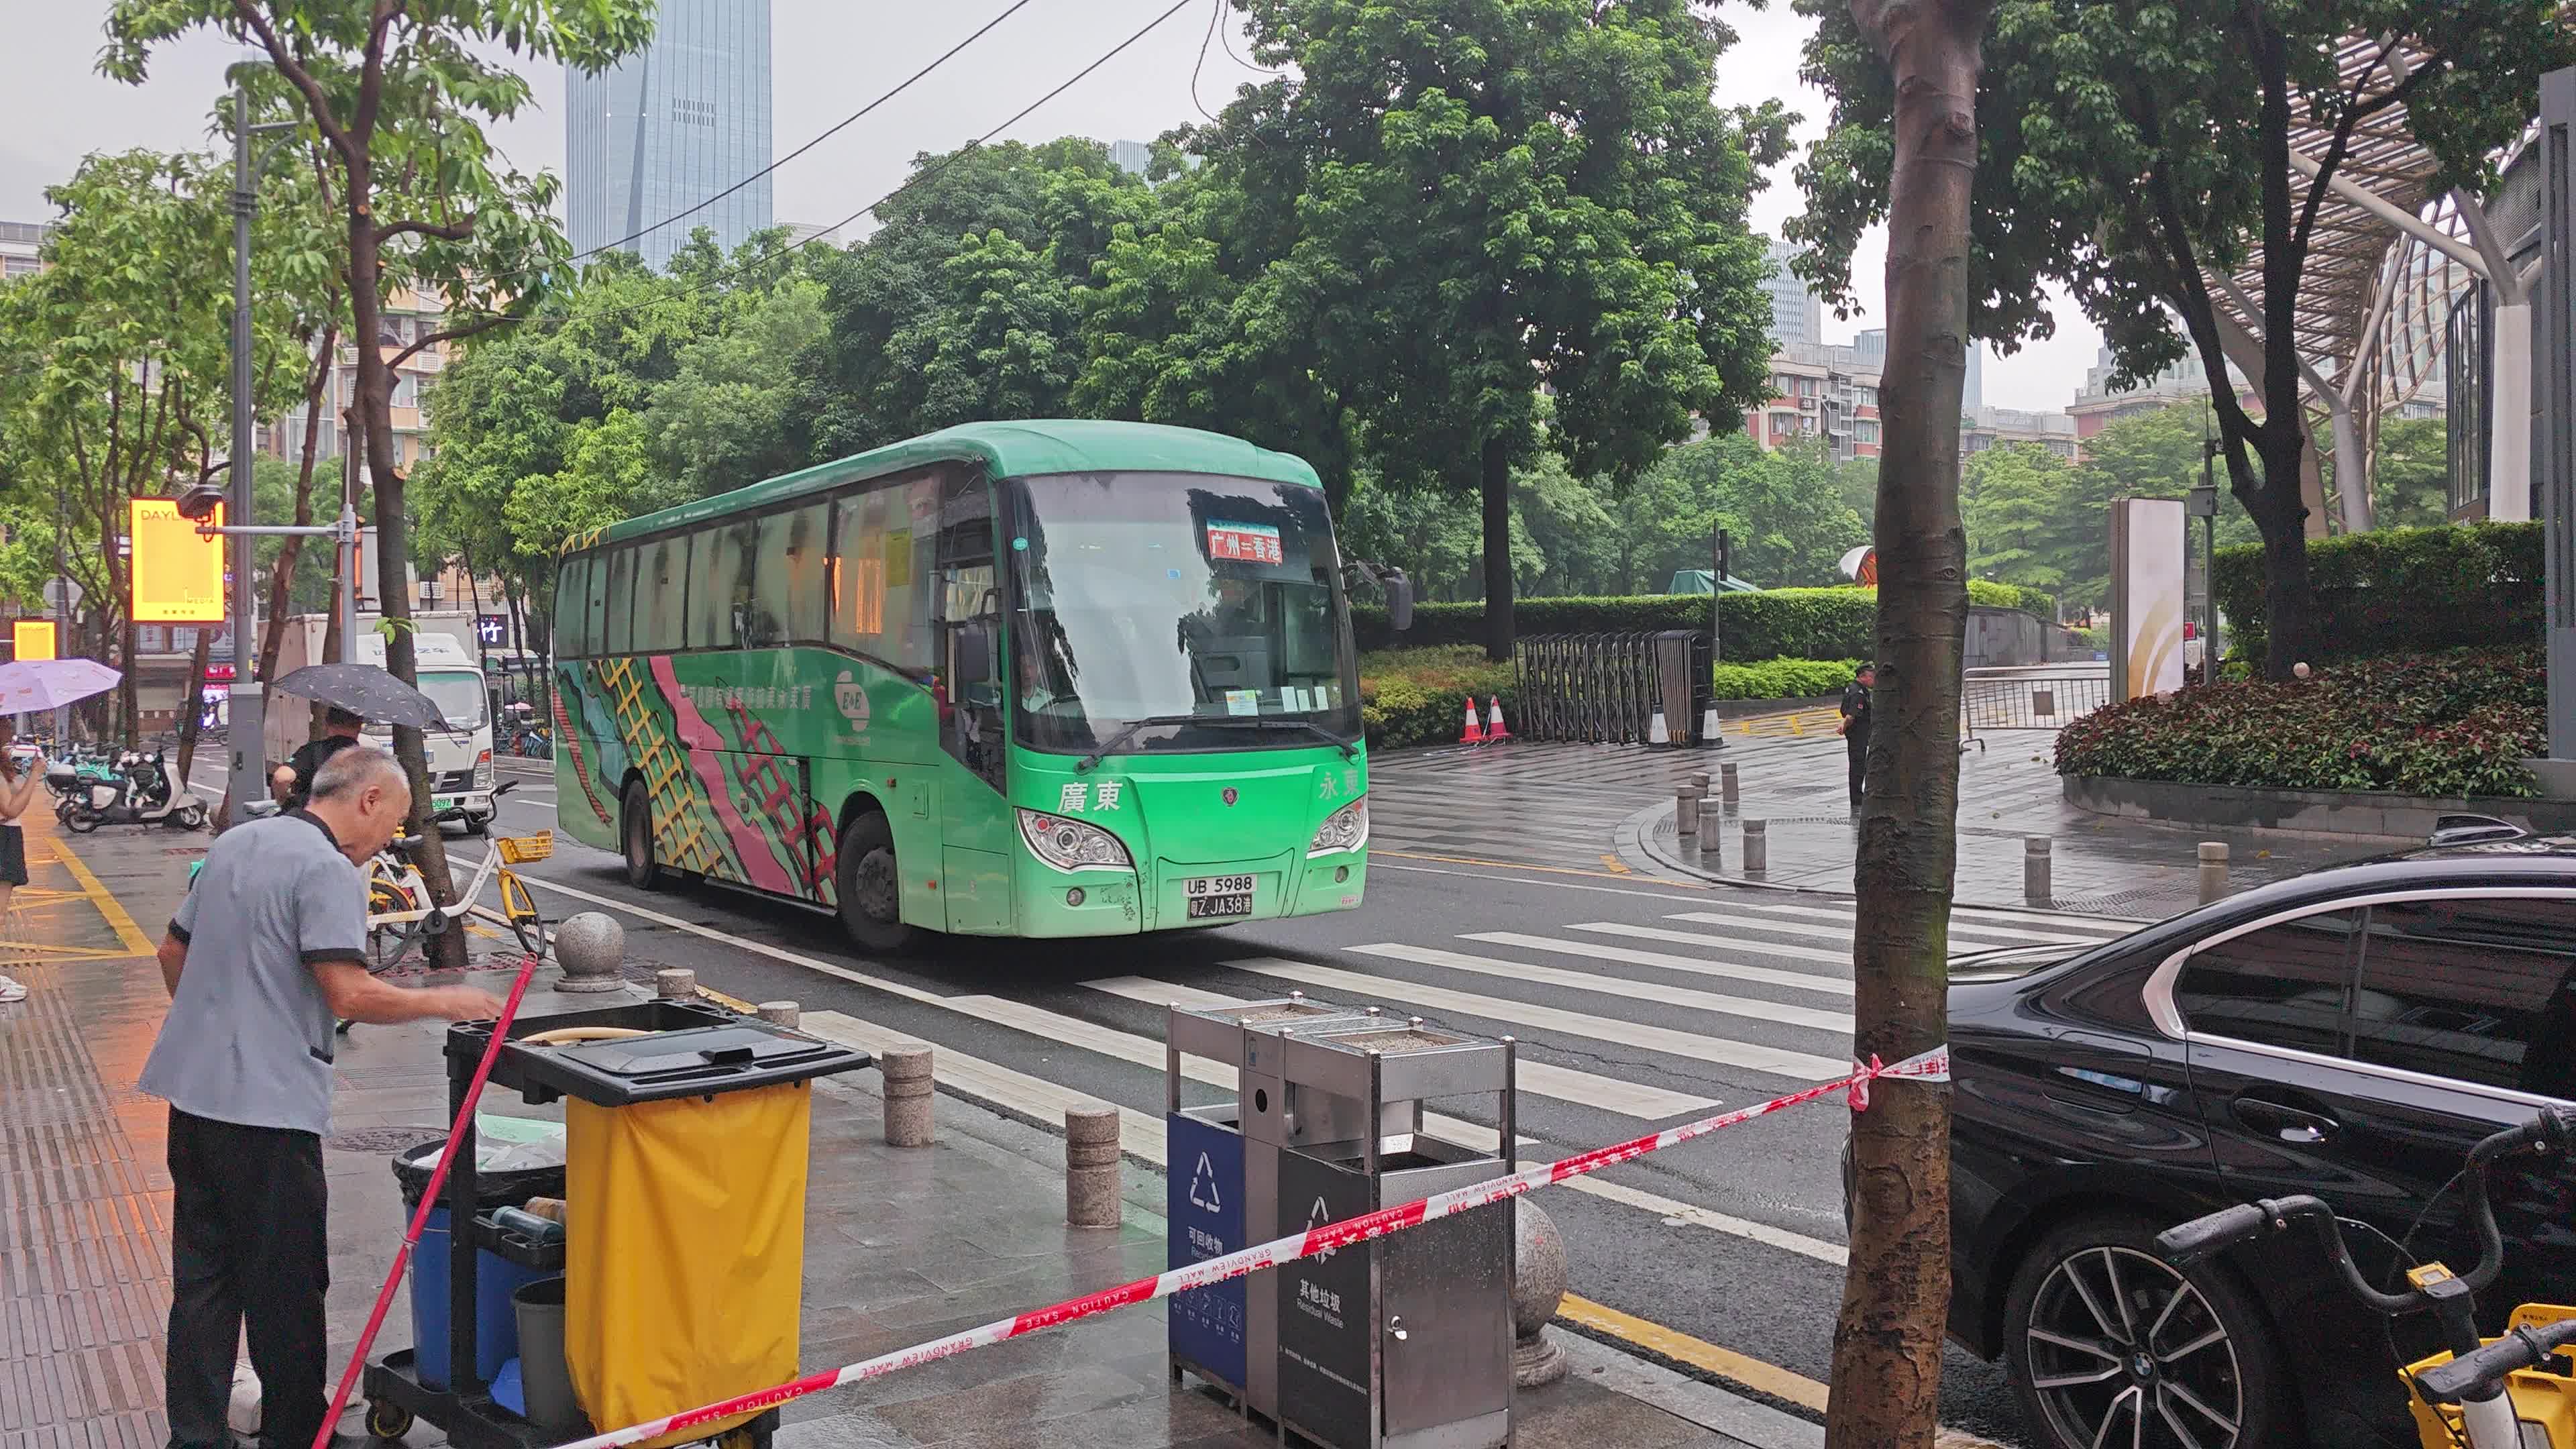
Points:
x=1639, y=828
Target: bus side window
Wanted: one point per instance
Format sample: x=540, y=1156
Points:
x=619, y=617
x=572, y=583
x=969, y=625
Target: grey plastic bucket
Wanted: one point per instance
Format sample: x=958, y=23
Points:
x=544, y=1377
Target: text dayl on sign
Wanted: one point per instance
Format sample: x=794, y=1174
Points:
x=178, y=574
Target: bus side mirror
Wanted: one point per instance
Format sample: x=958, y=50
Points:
x=1399, y=601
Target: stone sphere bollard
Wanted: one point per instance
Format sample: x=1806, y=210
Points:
x=1538, y=1286
x=591, y=949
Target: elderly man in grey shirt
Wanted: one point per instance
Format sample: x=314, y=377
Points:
x=267, y=948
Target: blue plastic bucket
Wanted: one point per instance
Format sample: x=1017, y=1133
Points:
x=496, y=1322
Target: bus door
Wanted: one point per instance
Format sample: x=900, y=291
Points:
x=976, y=829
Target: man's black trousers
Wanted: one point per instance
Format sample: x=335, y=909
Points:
x=1856, y=745
x=248, y=1240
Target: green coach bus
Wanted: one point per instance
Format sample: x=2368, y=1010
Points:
x=1049, y=678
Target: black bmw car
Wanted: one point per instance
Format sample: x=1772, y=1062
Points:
x=2349, y=1034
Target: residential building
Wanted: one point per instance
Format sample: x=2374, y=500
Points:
x=1871, y=344
x=20, y=244
x=1983, y=428
x=676, y=126
x=1797, y=313
x=2096, y=406
x=1820, y=392
x=1131, y=157
x=405, y=320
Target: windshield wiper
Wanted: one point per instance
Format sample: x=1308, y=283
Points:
x=1128, y=732
x=1349, y=751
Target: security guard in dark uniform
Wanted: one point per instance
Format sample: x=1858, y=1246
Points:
x=1855, y=728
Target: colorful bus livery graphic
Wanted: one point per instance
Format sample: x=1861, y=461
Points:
x=1040, y=679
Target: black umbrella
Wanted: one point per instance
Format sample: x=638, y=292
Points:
x=366, y=691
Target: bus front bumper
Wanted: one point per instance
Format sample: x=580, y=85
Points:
x=1105, y=903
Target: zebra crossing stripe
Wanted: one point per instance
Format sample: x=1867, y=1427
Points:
x=1717, y=1051
x=1831, y=985
x=1813, y=1018
x=1541, y=1079
x=1696, y=966
x=1972, y=935
x=2012, y=930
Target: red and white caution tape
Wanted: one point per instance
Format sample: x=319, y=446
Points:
x=1931, y=1066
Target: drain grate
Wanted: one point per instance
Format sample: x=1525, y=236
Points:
x=2179, y=898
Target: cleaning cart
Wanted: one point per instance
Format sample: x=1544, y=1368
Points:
x=686, y=1133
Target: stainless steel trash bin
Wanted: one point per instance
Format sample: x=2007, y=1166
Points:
x=1404, y=1342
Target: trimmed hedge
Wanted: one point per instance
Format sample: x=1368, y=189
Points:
x=1418, y=696
x=2401, y=590
x=2446, y=726
x=1784, y=678
x=1835, y=623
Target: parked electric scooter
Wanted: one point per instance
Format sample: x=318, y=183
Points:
x=143, y=792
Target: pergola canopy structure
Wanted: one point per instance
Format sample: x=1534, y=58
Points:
x=2388, y=258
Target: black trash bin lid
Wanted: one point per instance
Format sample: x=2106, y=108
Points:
x=734, y=1057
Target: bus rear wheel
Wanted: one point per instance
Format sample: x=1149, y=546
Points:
x=869, y=886
x=642, y=871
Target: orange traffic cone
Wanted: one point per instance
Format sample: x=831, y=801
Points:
x=1495, y=730
x=1474, y=734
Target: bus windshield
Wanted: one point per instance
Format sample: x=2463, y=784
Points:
x=1176, y=611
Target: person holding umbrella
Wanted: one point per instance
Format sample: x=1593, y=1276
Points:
x=17, y=792
x=293, y=780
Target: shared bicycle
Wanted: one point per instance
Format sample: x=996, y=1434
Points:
x=2514, y=1391
x=402, y=917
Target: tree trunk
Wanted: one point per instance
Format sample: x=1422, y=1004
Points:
x=1495, y=485
x=1896, y=1290
x=129, y=700
x=2290, y=623
x=393, y=549
x=195, y=709
x=281, y=575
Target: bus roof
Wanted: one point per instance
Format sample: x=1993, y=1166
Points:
x=1007, y=450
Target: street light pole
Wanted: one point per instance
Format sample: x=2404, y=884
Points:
x=242, y=777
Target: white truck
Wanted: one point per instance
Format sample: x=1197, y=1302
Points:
x=460, y=760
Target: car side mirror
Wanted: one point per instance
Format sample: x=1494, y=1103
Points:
x=2468, y=829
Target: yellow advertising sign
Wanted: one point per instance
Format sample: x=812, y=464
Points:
x=34, y=638
x=178, y=576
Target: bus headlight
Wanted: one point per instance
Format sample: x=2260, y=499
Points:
x=1071, y=844
x=1344, y=829
x=483, y=771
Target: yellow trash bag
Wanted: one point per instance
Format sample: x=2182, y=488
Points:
x=684, y=1252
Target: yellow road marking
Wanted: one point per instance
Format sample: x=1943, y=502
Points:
x=117, y=920
x=1726, y=1363
x=25, y=952
x=729, y=1003
x=1612, y=862
x=1547, y=869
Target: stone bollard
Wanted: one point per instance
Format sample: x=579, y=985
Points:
x=675, y=983
x=781, y=1013
x=1538, y=1286
x=2213, y=871
x=905, y=1069
x=1711, y=825
x=591, y=949
x=1699, y=783
x=1686, y=810
x=1726, y=785
x=1757, y=847
x=2035, y=886
x=1091, y=1166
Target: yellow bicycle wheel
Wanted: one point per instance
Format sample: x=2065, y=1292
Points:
x=520, y=910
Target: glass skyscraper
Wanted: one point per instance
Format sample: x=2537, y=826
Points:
x=669, y=127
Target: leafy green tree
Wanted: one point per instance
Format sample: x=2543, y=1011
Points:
x=1467, y=201
x=2018, y=504
x=723, y=419
x=398, y=93
x=2132, y=151
x=2410, y=480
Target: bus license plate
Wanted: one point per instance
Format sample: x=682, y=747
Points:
x=1217, y=896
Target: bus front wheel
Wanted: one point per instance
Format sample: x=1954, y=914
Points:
x=869, y=886
x=642, y=871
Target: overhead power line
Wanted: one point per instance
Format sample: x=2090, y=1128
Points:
x=843, y=124
x=925, y=174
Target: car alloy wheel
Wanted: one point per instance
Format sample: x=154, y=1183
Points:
x=2122, y=1349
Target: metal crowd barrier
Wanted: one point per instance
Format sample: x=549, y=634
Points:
x=2020, y=701
x=1605, y=688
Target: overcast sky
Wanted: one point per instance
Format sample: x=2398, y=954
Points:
x=831, y=57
